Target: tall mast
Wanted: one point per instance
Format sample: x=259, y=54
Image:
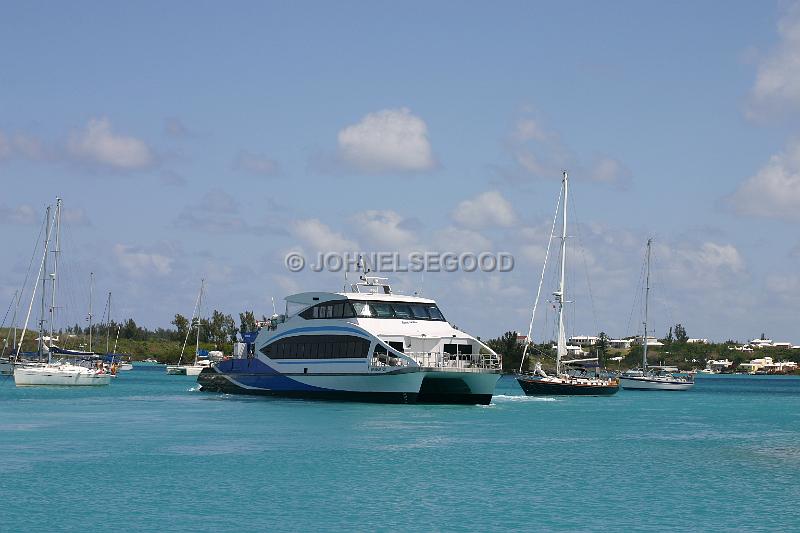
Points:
x=91, y=290
x=44, y=286
x=14, y=321
x=54, y=274
x=199, y=304
x=108, y=321
x=646, y=299
x=561, y=349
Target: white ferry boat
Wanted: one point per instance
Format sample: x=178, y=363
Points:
x=366, y=345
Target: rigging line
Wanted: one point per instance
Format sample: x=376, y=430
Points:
x=541, y=281
x=636, y=296
x=36, y=285
x=576, y=224
x=30, y=263
x=10, y=305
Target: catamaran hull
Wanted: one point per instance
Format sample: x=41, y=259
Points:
x=392, y=387
x=24, y=377
x=458, y=387
x=642, y=383
x=6, y=368
x=535, y=387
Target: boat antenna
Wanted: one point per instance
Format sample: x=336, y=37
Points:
x=541, y=281
x=274, y=311
x=646, y=299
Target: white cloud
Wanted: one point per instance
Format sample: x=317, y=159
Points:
x=384, y=229
x=777, y=84
x=21, y=215
x=774, y=191
x=540, y=152
x=457, y=240
x=216, y=212
x=322, y=238
x=390, y=140
x=707, y=266
x=21, y=145
x=75, y=217
x=256, y=164
x=487, y=209
x=608, y=170
x=97, y=144
x=142, y=264
x=528, y=129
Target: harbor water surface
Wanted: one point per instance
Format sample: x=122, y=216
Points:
x=150, y=452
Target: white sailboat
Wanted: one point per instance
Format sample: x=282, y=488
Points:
x=654, y=377
x=195, y=368
x=58, y=372
x=562, y=383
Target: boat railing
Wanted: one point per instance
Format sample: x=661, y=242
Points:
x=462, y=362
x=443, y=361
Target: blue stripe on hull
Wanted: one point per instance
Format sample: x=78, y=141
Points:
x=212, y=381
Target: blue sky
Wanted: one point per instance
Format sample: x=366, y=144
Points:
x=195, y=140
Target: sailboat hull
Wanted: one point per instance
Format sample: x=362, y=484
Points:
x=539, y=387
x=59, y=376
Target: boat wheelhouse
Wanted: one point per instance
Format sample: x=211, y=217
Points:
x=367, y=344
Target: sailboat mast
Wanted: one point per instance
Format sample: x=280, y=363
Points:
x=561, y=349
x=199, y=304
x=44, y=286
x=14, y=321
x=54, y=275
x=108, y=321
x=646, y=301
x=91, y=290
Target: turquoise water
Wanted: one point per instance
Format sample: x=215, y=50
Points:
x=150, y=453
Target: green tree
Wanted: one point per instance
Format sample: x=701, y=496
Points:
x=680, y=334
x=130, y=330
x=511, y=350
x=181, y=323
x=247, y=321
x=601, y=347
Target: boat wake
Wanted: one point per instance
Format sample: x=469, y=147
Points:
x=502, y=398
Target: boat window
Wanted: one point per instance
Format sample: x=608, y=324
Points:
x=329, y=310
x=362, y=309
x=419, y=311
x=318, y=347
x=382, y=310
x=402, y=310
x=397, y=345
x=435, y=313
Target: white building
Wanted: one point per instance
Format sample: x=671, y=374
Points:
x=768, y=365
x=697, y=341
x=651, y=341
x=619, y=344
x=584, y=340
x=719, y=365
